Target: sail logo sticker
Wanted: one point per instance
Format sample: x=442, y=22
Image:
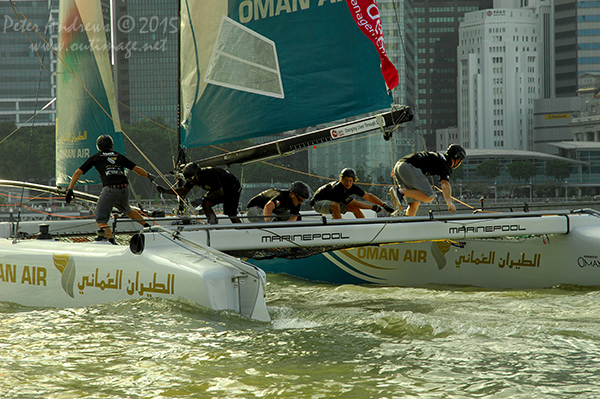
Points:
x=355, y=128
x=438, y=251
x=66, y=266
x=244, y=60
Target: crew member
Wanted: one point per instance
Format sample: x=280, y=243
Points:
x=335, y=198
x=285, y=204
x=111, y=168
x=222, y=188
x=411, y=173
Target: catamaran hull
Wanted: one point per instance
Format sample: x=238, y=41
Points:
x=488, y=263
x=515, y=250
x=510, y=262
x=58, y=274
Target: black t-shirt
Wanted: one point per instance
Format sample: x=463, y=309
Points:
x=335, y=191
x=211, y=179
x=281, y=199
x=431, y=163
x=110, y=166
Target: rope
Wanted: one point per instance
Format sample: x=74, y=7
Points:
x=12, y=3
x=152, y=165
x=27, y=121
x=37, y=96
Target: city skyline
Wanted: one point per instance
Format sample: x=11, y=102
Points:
x=419, y=38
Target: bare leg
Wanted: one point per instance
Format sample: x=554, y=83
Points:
x=334, y=208
x=356, y=206
x=417, y=195
x=412, y=209
x=107, y=230
x=135, y=215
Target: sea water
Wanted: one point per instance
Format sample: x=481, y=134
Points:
x=324, y=341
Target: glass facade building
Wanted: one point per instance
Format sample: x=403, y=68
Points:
x=437, y=26
x=28, y=67
x=145, y=33
x=577, y=35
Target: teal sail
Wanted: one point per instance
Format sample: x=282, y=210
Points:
x=251, y=68
x=86, y=102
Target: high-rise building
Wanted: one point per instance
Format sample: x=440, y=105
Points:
x=28, y=63
x=27, y=67
x=145, y=58
x=577, y=43
x=500, y=74
x=437, y=27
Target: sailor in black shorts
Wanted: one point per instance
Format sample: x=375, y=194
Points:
x=278, y=205
x=335, y=198
x=411, y=173
x=222, y=188
x=111, y=168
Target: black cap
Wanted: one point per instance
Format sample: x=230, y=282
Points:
x=104, y=143
x=348, y=172
x=456, y=151
x=191, y=170
x=301, y=189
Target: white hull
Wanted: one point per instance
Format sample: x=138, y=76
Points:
x=510, y=251
x=519, y=263
x=58, y=274
x=516, y=250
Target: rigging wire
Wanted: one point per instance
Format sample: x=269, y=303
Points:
x=152, y=165
x=15, y=8
x=37, y=95
x=165, y=127
x=28, y=120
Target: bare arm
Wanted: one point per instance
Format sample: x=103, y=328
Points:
x=268, y=210
x=372, y=198
x=181, y=191
x=140, y=171
x=75, y=177
x=447, y=192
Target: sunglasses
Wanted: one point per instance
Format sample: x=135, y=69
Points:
x=300, y=198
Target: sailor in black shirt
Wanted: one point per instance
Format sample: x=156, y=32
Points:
x=410, y=173
x=111, y=168
x=335, y=198
x=282, y=203
x=222, y=188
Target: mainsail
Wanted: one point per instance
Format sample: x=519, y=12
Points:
x=86, y=103
x=251, y=68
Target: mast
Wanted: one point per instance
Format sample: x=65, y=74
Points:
x=181, y=156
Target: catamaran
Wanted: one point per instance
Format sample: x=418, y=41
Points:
x=41, y=271
x=222, y=95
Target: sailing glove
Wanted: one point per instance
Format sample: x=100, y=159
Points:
x=161, y=189
x=151, y=177
x=376, y=208
x=69, y=196
x=388, y=208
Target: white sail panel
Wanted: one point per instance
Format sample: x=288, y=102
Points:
x=244, y=60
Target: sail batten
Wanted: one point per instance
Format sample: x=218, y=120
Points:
x=251, y=69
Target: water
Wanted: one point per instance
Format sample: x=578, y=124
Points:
x=324, y=342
